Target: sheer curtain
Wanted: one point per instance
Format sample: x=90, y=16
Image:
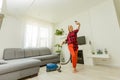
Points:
x=1, y=3
x=38, y=35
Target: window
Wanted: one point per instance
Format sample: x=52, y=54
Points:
x=38, y=36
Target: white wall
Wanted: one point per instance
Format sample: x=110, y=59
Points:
x=106, y=31
x=99, y=24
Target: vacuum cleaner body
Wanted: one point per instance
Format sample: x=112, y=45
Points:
x=51, y=67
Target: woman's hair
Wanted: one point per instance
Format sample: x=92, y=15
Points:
x=69, y=27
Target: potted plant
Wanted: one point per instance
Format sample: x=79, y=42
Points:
x=59, y=52
x=58, y=48
x=99, y=51
x=105, y=50
x=93, y=52
x=59, y=32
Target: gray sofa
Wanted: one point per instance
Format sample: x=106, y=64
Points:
x=20, y=63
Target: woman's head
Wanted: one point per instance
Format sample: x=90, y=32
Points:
x=70, y=28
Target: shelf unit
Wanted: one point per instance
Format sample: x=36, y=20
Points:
x=100, y=56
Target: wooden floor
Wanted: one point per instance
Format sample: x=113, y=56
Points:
x=85, y=73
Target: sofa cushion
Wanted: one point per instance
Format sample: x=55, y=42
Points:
x=18, y=64
x=28, y=52
x=45, y=51
x=35, y=51
x=19, y=53
x=8, y=53
x=47, y=57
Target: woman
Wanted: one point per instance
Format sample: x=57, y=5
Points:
x=72, y=44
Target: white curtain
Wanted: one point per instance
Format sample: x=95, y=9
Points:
x=38, y=35
x=1, y=3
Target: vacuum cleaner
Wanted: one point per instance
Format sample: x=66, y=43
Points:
x=54, y=67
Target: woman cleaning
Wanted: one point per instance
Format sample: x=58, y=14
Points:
x=72, y=44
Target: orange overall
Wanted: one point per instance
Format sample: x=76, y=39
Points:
x=73, y=46
x=74, y=54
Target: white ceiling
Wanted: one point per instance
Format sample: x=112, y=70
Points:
x=53, y=11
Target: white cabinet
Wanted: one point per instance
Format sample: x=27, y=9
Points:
x=100, y=56
x=101, y=59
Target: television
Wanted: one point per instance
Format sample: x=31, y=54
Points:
x=81, y=40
